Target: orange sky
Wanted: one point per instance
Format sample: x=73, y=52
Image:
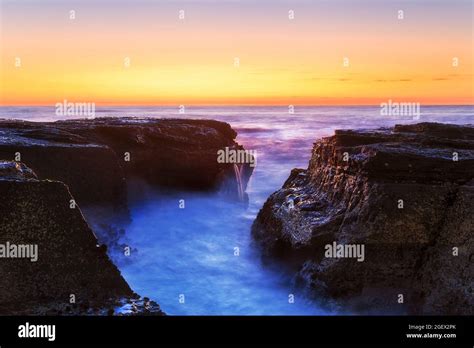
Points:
x=191, y=61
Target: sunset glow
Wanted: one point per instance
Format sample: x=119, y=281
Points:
x=282, y=61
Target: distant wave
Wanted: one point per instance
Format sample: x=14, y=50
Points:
x=252, y=129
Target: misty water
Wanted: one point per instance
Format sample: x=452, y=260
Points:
x=191, y=251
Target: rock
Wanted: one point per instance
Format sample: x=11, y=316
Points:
x=95, y=157
x=15, y=171
x=447, y=282
x=68, y=260
x=91, y=171
x=406, y=194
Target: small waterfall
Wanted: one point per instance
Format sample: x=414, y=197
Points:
x=238, y=170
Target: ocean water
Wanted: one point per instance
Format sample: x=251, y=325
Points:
x=190, y=253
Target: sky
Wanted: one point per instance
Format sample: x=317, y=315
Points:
x=339, y=52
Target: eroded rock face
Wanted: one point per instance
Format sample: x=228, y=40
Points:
x=68, y=260
x=406, y=194
x=95, y=157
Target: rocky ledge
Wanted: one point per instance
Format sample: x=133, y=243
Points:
x=381, y=220
x=50, y=260
x=95, y=157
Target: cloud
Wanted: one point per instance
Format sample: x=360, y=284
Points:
x=393, y=80
x=339, y=79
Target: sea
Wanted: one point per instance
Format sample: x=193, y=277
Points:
x=201, y=260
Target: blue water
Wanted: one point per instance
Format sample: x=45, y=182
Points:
x=190, y=251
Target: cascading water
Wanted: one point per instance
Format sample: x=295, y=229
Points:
x=238, y=170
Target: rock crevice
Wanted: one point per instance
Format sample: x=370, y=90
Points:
x=49, y=171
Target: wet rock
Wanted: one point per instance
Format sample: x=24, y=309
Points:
x=15, y=171
x=95, y=157
x=406, y=194
x=60, y=258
